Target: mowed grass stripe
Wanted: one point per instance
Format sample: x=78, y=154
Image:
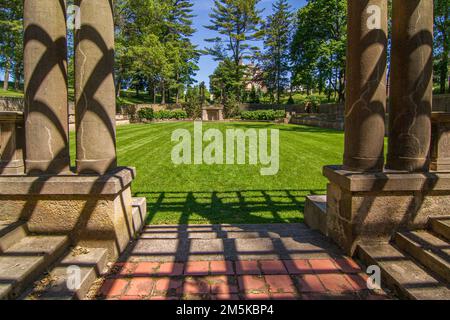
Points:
x=226, y=193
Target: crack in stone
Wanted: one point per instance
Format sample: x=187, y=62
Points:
x=49, y=142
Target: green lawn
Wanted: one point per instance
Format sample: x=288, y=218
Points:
x=226, y=193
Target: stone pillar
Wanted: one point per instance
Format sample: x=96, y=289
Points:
x=11, y=143
x=440, y=142
x=411, y=85
x=45, y=68
x=94, y=88
x=366, y=85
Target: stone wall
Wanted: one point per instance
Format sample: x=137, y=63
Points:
x=331, y=116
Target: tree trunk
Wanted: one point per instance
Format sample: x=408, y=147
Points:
x=17, y=76
x=6, y=78
x=163, y=93
x=118, y=86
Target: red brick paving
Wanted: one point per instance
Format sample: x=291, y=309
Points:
x=251, y=283
x=335, y=282
x=222, y=267
x=140, y=287
x=273, y=267
x=298, y=266
x=280, y=283
x=170, y=269
x=307, y=279
x=196, y=268
x=247, y=267
x=323, y=265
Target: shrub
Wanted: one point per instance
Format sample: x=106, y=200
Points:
x=268, y=115
x=146, y=113
x=170, y=114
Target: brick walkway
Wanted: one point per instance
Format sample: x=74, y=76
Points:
x=318, y=274
x=224, y=280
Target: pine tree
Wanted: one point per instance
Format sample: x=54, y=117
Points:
x=278, y=29
x=238, y=24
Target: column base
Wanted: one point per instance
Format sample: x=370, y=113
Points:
x=408, y=164
x=13, y=167
x=40, y=167
x=372, y=207
x=95, y=166
x=95, y=211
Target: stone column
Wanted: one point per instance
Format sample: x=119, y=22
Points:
x=11, y=143
x=411, y=85
x=366, y=85
x=94, y=88
x=45, y=68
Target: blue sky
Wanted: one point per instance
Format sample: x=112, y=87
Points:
x=202, y=8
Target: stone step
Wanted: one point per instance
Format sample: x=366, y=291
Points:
x=23, y=262
x=83, y=264
x=402, y=274
x=227, y=231
x=441, y=226
x=139, y=214
x=429, y=250
x=316, y=213
x=11, y=233
x=232, y=249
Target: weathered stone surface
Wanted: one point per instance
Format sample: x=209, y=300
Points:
x=316, y=213
x=373, y=207
x=11, y=233
x=91, y=265
x=411, y=85
x=366, y=85
x=401, y=273
x=429, y=250
x=96, y=211
x=51, y=185
x=11, y=143
x=94, y=88
x=441, y=226
x=27, y=259
x=440, y=142
x=45, y=69
x=387, y=181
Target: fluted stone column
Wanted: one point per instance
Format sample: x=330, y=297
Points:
x=366, y=85
x=94, y=87
x=411, y=85
x=45, y=68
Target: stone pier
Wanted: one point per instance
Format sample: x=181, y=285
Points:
x=45, y=68
x=92, y=204
x=411, y=85
x=94, y=88
x=366, y=85
x=367, y=203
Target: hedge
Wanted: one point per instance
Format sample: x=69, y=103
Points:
x=149, y=114
x=269, y=115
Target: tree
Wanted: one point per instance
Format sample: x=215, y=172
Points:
x=276, y=58
x=442, y=42
x=318, y=48
x=238, y=24
x=11, y=37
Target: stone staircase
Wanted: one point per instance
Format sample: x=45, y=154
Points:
x=415, y=264
x=50, y=266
